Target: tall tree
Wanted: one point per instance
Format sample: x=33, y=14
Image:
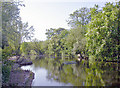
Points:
x=76, y=39
x=13, y=30
x=79, y=17
x=103, y=32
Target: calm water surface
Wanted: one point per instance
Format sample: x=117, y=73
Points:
x=41, y=77
x=49, y=72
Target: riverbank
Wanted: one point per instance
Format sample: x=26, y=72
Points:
x=19, y=77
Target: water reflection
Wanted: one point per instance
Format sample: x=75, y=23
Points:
x=42, y=77
x=48, y=73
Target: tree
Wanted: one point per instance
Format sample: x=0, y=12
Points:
x=103, y=32
x=56, y=40
x=76, y=40
x=79, y=17
x=13, y=30
x=38, y=47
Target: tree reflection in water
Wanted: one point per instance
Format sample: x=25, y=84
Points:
x=96, y=74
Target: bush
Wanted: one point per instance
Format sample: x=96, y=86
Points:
x=6, y=68
x=7, y=51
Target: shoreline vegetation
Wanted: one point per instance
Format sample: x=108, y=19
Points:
x=94, y=36
x=19, y=77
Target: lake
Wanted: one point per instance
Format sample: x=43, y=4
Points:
x=50, y=72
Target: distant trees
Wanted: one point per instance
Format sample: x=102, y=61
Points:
x=37, y=46
x=69, y=42
x=56, y=38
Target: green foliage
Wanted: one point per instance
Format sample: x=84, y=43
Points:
x=5, y=73
x=45, y=46
x=79, y=17
x=25, y=48
x=56, y=41
x=76, y=40
x=32, y=52
x=7, y=52
x=37, y=46
x=13, y=30
x=6, y=68
x=95, y=32
x=102, y=34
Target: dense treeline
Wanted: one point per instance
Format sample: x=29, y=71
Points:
x=94, y=33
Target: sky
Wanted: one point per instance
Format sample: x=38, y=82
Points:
x=46, y=14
